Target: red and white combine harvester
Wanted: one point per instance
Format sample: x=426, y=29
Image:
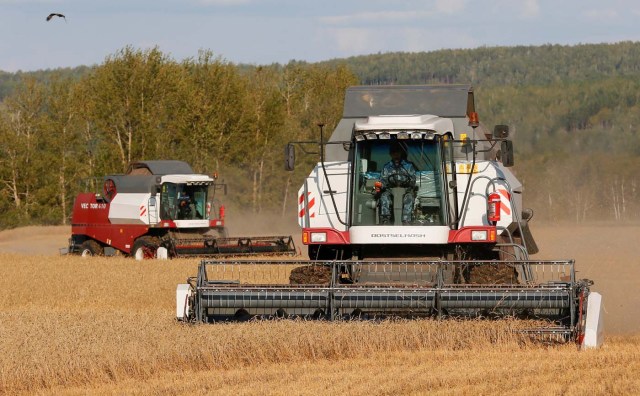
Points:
x=160, y=209
x=411, y=211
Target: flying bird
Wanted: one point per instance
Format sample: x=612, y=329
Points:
x=56, y=14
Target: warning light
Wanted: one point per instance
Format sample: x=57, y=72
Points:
x=473, y=119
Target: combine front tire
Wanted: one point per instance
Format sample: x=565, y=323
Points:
x=145, y=247
x=91, y=248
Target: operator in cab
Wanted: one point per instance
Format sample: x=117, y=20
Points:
x=398, y=172
x=186, y=209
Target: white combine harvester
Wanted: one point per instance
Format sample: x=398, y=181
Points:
x=161, y=209
x=412, y=211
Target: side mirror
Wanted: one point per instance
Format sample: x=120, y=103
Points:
x=501, y=131
x=289, y=157
x=506, y=153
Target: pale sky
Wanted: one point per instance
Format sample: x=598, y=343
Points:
x=268, y=31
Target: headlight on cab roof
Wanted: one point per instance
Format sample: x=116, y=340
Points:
x=321, y=237
x=479, y=235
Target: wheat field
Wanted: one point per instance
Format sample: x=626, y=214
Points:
x=106, y=326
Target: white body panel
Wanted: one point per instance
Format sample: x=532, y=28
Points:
x=195, y=178
x=129, y=208
x=315, y=206
x=594, y=326
x=142, y=208
x=476, y=211
x=199, y=223
x=183, y=291
x=407, y=122
x=399, y=235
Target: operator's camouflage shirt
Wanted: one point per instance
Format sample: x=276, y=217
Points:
x=403, y=175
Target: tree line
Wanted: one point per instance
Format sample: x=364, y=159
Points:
x=141, y=104
x=499, y=66
x=573, y=113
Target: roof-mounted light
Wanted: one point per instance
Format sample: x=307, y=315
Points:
x=384, y=135
x=371, y=136
x=403, y=135
x=359, y=138
x=416, y=135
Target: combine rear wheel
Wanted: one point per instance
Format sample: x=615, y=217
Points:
x=91, y=248
x=145, y=247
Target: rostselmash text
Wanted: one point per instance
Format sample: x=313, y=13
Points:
x=398, y=235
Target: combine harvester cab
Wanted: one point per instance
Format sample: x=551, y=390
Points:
x=160, y=209
x=412, y=211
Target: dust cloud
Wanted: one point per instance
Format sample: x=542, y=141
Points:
x=607, y=254
x=241, y=223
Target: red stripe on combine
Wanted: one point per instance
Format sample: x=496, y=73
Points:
x=309, y=205
x=301, y=198
x=505, y=208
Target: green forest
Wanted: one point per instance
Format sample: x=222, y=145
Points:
x=573, y=111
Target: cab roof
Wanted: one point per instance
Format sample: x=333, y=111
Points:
x=159, y=167
x=447, y=101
